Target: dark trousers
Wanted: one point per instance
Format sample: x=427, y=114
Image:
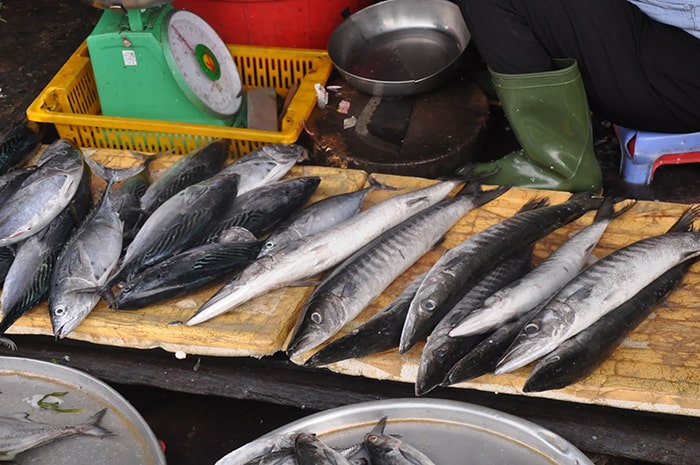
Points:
x=637, y=72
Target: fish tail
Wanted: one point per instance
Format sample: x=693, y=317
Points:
x=685, y=222
x=537, y=202
x=8, y=343
x=588, y=200
x=92, y=427
x=374, y=183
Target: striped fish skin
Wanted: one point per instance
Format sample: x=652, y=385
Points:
x=441, y=351
x=306, y=257
x=579, y=356
x=315, y=218
x=85, y=264
x=185, y=272
x=384, y=449
x=267, y=164
x=259, y=210
x=310, y=450
x=356, y=282
x=28, y=278
x=17, y=145
x=458, y=268
x=43, y=194
x=177, y=224
x=193, y=167
x=380, y=333
x=19, y=434
x=597, y=290
x=543, y=281
x=127, y=203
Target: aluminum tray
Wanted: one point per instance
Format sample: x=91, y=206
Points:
x=447, y=431
x=24, y=380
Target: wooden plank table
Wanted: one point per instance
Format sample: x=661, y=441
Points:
x=654, y=371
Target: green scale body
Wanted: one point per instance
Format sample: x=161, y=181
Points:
x=135, y=72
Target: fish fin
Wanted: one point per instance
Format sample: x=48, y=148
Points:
x=8, y=343
x=471, y=172
x=93, y=428
x=606, y=211
x=581, y=294
x=380, y=426
x=685, y=222
x=537, y=202
x=376, y=184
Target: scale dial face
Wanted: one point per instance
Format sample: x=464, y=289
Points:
x=202, y=64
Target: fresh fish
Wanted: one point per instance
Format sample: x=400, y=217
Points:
x=195, y=166
x=11, y=181
x=579, y=356
x=184, y=272
x=259, y=210
x=315, y=218
x=543, y=281
x=310, y=450
x=455, y=272
x=306, y=257
x=43, y=194
x=441, y=350
x=380, y=333
x=17, y=145
x=177, y=224
x=356, y=282
x=267, y=164
x=484, y=357
x=7, y=256
x=19, y=434
x=87, y=261
x=28, y=278
x=127, y=202
x=384, y=449
x=600, y=288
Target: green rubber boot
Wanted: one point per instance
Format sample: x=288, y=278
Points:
x=549, y=115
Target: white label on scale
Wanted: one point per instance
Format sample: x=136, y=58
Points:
x=129, y=57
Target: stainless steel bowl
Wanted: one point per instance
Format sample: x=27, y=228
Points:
x=397, y=48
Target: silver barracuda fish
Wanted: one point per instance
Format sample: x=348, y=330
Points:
x=543, y=281
x=600, y=288
x=315, y=218
x=441, y=350
x=310, y=450
x=308, y=256
x=43, y=194
x=193, y=167
x=380, y=333
x=384, y=449
x=259, y=210
x=267, y=164
x=28, y=278
x=459, y=268
x=180, y=222
x=19, y=434
x=356, y=282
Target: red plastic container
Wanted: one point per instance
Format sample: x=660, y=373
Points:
x=274, y=23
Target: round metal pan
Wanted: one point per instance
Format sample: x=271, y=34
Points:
x=396, y=48
x=24, y=381
x=446, y=431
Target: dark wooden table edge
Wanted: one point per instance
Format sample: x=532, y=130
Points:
x=652, y=437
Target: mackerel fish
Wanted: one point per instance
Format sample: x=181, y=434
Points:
x=458, y=268
x=600, y=288
x=384, y=449
x=267, y=164
x=43, y=194
x=360, y=279
x=19, y=434
x=308, y=256
x=193, y=167
x=543, y=281
x=310, y=450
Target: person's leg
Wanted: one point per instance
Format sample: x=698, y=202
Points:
x=636, y=72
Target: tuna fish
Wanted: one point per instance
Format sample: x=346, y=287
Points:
x=17, y=145
x=19, y=434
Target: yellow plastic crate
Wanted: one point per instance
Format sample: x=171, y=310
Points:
x=70, y=102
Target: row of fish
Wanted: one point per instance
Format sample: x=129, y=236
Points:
x=303, y=448
x=482, y=307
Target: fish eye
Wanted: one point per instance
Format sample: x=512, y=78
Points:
x=428, y=305
x=440, y=353
x=316, y=318
x=531, y=328
x=60, y=311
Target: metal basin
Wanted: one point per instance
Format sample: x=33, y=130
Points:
x=399, y=47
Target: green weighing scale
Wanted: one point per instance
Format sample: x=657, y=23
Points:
x=153, y=61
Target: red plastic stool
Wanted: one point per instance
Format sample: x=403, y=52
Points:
x=643, y=152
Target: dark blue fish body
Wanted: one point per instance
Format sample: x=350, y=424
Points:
x=185, y=272
x=195, y=166
x=11, y=181
x=17, y=145
x=127, y=202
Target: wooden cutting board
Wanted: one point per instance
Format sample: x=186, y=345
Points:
x=655, y=369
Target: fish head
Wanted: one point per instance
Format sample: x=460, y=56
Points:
x=317, y=324
x=424, y=309
x=69, y=309
x=539, y=336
